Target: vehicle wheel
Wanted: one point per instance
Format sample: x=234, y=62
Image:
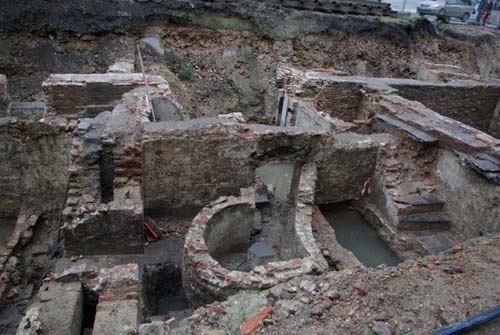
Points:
x=465, y=17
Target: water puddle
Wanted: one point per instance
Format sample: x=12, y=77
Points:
x=155, y=44
x=247, y=256
x=357, y=235
x=279, y=175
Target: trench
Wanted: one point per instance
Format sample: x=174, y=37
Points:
x=356, y=234
x=90, y=301
x=162, y=293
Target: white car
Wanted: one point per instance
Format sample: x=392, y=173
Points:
x=461, y=9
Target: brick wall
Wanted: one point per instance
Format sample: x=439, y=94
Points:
x=86, y=95
x=340, y=100
x=472, y=105
x=192, y=163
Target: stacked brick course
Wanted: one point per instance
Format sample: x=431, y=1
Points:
x=86, y=95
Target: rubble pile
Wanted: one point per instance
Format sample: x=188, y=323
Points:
x=413, y=298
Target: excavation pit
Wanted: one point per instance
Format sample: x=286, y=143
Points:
x=356, y=234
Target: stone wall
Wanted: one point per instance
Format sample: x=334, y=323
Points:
x=34, y=161
x=344, y=165
x=472, y=201
x=191, y=163
x=472, y=105
x=57, y=311
x=104, y=202
x=60, y=306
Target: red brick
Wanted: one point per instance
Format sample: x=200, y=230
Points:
x=104, y=298
x=250, y=326
x=215, y=309
x=360, y=290
x=220, y=272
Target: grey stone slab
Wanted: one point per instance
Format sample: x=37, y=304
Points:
x=153, y=328
x=435, y=243
x=414, y=133
x=117, y=317
x=61, y=308
x=424, y=221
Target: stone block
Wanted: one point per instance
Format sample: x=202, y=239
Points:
x=61, y=308
x=117, y=317
x=97, y=234
x=153, y=328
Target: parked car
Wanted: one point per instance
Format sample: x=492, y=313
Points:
x=461, y=9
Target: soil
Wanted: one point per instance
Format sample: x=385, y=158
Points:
x=413, y=298
x=218, y=66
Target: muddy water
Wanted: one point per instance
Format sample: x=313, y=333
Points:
x=279, y=175
x=6, y=229
x=357, y=235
